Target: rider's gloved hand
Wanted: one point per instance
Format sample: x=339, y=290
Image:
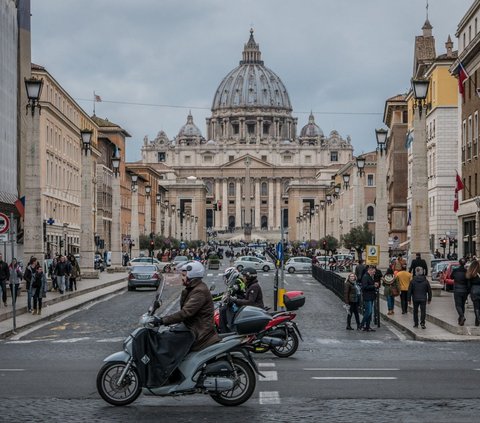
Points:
x=233, y=299
x=157, y=321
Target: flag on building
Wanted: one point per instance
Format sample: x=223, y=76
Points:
x=98, y=99
x=458, y=187
x=409, y=217
x=462, y=77
x=20, y=205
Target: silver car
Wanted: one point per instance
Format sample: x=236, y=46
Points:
x=298, y=264
x=255, y=262
x=143, y=276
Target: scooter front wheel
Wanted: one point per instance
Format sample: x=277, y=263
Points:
x=123, y=394
x=291, y=345
x=244, y=385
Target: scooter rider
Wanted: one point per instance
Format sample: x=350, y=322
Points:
x=254, y=295
x=196, y=307
x=236, y=287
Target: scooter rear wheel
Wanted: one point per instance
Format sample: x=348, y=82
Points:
x=244, y=385
x=289, y=348
x=107, y=387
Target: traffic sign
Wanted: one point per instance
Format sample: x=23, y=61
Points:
x=183, y=246
x=373, y=255
x=4, y=223
x=3, y=237
x=279, y=251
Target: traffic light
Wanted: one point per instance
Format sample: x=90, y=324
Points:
x=215, y=208
x=324, y=244
x=152, y=244
x=443, y=242
x=219, y=205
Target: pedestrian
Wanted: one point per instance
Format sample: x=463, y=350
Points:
x=61, y=271
x=4, y=277
x=421, y=294
x=404, y=278
x=39, y=289
x=352, y=293
x=369, y=289
x=474, y=286
x=460, y=290
x=74, y=273
x=390, y=290
x=15, y=278
x=51, y=273
x=28, y=276
x=360, y=269
x=418, y=262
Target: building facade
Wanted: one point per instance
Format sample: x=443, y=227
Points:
x=251, y=154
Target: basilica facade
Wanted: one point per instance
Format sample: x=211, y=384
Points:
x=256, y=167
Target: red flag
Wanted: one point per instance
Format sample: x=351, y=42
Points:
x=462, y=77
x=458, y=187
x=20, y=205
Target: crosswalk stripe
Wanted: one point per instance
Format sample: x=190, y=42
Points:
x=354, y=378
x=268, y=376
x=266, y=364
x=269, y=397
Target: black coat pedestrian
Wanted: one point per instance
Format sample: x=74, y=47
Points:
x=4, y=271
x=459, y=276
x=418, y=262
x=420, y=290
x=368, y=288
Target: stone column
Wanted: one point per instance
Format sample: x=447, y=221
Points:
x=158, y=218
x=173, y=229
x=218, y=214
x=134, y=228
x=238, y=203
x=278, y=204
x=419, y=241
x=258, y=214
x=271, y=204
x=87, y=248
x=148, y=215
x=116, y=223
x=225, y=203
x=33, y=221
x=381, y=218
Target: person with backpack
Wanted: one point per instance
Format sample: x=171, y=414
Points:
x=27, y=276
x=421, y=294
x=39, y=289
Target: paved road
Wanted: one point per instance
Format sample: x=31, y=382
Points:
x=337, y=375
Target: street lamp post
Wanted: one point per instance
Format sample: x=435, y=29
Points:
x=134, y=229
x=33, y=237
x=158, y=213
x=419, y=235
x=346, y=180
x=173, y=222
x=381, y=204
x=360, y=165
x=116, y=213
x=148, y=210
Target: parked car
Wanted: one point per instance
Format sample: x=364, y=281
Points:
x=438, y=268
x=143, y=275
x=298, y=264
x=145, y=260
x=255, y=262
x=445, y=277
x=323, y=261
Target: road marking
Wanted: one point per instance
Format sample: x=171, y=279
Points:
x=310, y=283
x=30, y=341
x=69, y=341
x=368, y=341
x=266, y=364
x=354, y=378
x=328, y=341
x=105, y=340
x=210, y=274
x=300, y=276
x=268, y=376
x=325, y=369
x=12, y=370
x=269, y=397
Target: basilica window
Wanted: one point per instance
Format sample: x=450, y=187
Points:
x=231, y=189
x=209, y=186
x=251, y=129
x=231, y=158
x=266, y=128
x=308, y=159
x=236, y=128
x=264, y=189
x=161, y=156
x=264, y=158
x=287, y=158
x=187, y=159
x=208, y=159
x=370, y=180
x=370, y=213
x=334, y=156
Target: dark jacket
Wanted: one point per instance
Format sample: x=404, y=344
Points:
x=61, y=269
x=350, y=292
x=459, y=276
x=368, y=288
x=4, y=271
x=474, y=287
x=360, y=271
x=418, y=262
x=420, y=290
x=196, y=312
x=253, y=295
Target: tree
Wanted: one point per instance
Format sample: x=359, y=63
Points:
x=329, y=243
x=358, y=238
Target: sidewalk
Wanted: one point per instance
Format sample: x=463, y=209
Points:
x=441, y=324
x=56, y=303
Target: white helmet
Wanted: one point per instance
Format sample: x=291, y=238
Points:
x=194, y=269
x=230, y=275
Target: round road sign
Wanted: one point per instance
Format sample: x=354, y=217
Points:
x=4, y=223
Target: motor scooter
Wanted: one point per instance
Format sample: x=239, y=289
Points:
x=150, y=365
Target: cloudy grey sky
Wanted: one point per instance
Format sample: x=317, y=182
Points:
x=339, y=58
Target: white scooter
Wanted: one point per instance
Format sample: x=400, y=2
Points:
x=225, y=370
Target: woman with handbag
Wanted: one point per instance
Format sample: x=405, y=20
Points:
x=390, y=289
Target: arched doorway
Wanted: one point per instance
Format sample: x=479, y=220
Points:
x=231, y=223
x=264, y=223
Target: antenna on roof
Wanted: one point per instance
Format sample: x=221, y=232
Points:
x=427, y=10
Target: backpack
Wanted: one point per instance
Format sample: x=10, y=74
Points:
x=37, y=281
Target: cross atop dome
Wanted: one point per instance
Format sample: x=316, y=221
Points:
x=251, y=51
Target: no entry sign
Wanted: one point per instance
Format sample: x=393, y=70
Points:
x=4, y=223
